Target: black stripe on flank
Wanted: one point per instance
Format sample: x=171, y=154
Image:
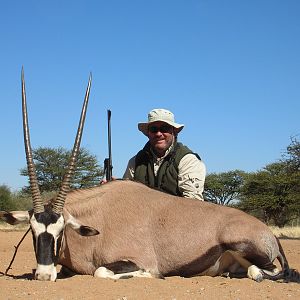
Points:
x=120, y=267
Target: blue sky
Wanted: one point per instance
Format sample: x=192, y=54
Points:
x=229, y=70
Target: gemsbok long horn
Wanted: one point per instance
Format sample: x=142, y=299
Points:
x=38, y=206
x=65, y=186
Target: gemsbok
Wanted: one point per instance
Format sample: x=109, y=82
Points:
x=123, y=229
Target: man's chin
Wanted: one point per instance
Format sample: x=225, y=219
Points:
x=160, y=145
x=159, y=148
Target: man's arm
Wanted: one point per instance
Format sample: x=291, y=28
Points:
x=191, y=177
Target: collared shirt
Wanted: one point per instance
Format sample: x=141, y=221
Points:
x=191, y=174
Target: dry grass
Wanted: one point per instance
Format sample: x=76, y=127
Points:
x=286, y=232
x=19, y=227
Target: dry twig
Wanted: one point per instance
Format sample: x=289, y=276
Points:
x=16, y=250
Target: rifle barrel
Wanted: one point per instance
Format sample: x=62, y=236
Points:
x=109, y=162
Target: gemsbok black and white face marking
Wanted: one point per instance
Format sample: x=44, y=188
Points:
x=47, y=229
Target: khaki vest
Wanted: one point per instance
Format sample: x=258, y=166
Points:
x=167, y=175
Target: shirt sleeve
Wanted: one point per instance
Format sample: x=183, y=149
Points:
x=191, y=177
x=129, y=172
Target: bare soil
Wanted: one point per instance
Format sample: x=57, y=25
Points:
x=19, y=285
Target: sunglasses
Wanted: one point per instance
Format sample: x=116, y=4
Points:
x=162, y=129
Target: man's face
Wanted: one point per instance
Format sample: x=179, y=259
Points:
x=160, y=136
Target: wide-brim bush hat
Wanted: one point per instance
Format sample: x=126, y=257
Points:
x=162, y=115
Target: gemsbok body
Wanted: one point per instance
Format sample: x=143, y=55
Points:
x=123, y=229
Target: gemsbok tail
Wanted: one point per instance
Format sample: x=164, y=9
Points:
x=286, y=273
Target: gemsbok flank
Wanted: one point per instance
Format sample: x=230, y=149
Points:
x=123, y=229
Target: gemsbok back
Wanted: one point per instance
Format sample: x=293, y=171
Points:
x=124, y=229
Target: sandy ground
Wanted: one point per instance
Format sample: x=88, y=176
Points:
x=21, y=285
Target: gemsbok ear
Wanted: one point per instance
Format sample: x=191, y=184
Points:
x=15, y=217
x=77, y=226
x=87, y=231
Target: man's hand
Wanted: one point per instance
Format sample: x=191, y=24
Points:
x=103, y=181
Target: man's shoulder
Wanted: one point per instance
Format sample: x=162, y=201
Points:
x=132, y=159
x=191, y=157
x=185, y=150
x=191, y=163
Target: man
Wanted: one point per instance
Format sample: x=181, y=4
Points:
x=164, y=163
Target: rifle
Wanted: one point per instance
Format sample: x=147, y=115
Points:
x=108, y=161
